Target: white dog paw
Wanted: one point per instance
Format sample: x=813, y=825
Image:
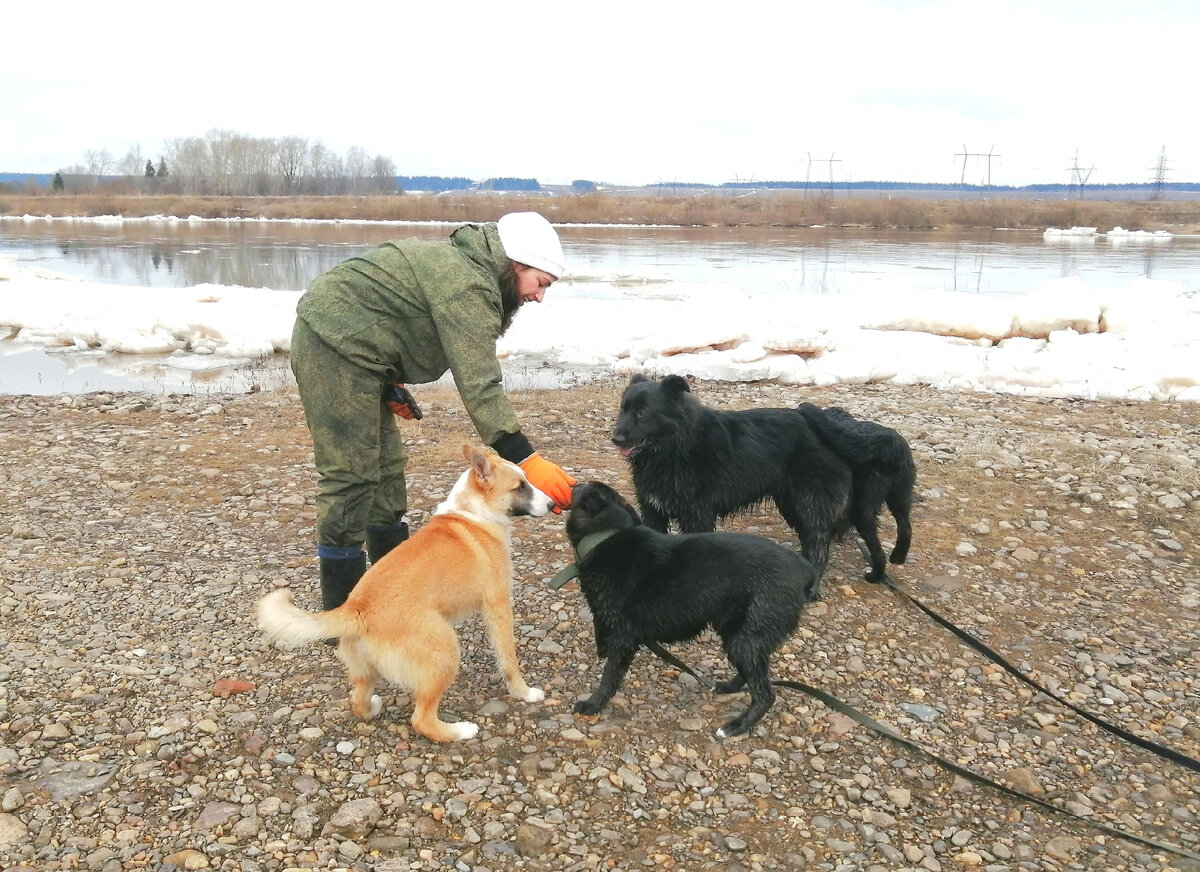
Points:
x=531, y=694
x=464, y=730
x=376, y=706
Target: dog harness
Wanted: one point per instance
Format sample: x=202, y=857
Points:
x=586, y=545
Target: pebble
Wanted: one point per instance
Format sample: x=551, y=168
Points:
x=12, y=831
x=925, y=713
x=144, y=724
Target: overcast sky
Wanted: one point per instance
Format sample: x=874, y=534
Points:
x=622, y=92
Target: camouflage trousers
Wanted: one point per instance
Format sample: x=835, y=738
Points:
x=358, y=451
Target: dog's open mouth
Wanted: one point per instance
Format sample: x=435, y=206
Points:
x=629, y=450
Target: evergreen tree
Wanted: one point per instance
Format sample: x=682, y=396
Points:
x=149, y=169
x=162, y=168
x=58, y=184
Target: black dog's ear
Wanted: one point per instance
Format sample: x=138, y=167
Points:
x=586, y=497
x=676, y=384
x=638, y=379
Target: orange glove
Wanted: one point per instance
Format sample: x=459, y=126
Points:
x=402, y=402
x=550, y=479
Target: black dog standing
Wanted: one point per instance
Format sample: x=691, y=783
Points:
x=644, y=587
x=692, y=464
x=882, y=464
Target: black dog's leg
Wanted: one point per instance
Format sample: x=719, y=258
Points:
x=653, y=517
x=900, y=506
x=867, y=524
x=814, y=530
x=733, y=685
x=697, y=520
x=620, y=656
x=751, y=660
x=601, y=634
x=816, y=549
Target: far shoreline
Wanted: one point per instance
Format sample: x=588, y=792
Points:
x=755, y=209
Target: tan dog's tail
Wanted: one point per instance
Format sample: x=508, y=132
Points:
x=287, y=625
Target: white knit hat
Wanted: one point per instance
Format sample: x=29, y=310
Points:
x=528, y=238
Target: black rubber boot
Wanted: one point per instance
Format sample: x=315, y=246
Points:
x=338, y=578
x=381, y=540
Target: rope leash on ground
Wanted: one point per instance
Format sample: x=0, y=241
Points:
x=999, y=659
x=975, y=778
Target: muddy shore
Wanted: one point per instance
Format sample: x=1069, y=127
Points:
x=144, y=724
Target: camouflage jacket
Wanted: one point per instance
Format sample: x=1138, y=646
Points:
x=412, y=309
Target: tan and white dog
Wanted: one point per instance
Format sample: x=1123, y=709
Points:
x=398, y=623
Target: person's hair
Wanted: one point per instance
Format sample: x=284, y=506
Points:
x=510, y=298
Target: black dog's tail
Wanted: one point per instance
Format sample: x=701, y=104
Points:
x=854, y=440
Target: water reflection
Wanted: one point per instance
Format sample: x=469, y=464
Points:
x=967, y=271
x=278, y=255
x=288, y=255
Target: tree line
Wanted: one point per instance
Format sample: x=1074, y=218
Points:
x=222, y=162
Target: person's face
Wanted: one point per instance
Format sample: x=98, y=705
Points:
x=531, y=283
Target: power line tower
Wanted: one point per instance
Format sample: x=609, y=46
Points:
x=1079, y=177
x=831, y=160
x=991, y=153
x=1160, y=175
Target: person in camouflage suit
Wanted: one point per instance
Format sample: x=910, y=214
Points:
x=408, y=311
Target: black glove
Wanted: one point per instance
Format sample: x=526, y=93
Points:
x=402, y=402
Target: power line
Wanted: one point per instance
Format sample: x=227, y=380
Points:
x=969, y=154
x=1079, y=177
x=1160, y=175
x=831, y=160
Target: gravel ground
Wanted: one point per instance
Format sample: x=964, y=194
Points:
x=145, y=724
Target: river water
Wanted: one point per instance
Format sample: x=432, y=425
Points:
x=287, y=255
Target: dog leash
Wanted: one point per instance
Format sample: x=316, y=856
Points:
x=875, y=726
x=586, y=545
x=999, y=659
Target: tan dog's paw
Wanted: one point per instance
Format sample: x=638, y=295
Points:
x=531, y=694
x=463, y=730
x=376, y=706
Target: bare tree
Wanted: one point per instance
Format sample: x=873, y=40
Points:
x=260, y=166
x=220, y=160
x=383, y=174
x=356, y=168
x=291, y=153
x=318, y=167
x=337, y=174
x=188, y=159
x=134, y=162
x=98, y=163
x=225, y=162
x=241, y=151
x=132, y=169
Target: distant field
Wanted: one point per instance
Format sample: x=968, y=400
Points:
x=724, y=208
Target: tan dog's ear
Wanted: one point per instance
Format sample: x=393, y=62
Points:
x=468, y=451
x=481, y=464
